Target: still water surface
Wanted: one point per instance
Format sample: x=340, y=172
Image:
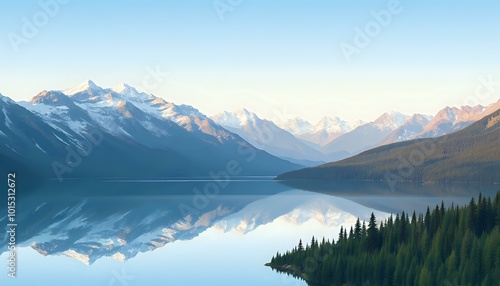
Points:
x=192, y=232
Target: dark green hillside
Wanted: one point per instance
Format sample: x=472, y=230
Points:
x=454, y=246
x=472, y=154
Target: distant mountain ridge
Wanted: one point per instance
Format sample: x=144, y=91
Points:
x=265, y=135
x=447, y=120
x=451, y=119
x=323, y=132
x=408, y=130
x=471, y=154
x=403, y=128
x=364, y=137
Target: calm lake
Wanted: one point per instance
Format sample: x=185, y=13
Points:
x=192, y=232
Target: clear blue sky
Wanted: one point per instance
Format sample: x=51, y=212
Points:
x=279, y=58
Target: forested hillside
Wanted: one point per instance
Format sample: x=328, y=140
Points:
x=453, y=246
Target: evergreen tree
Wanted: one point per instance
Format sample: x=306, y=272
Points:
x=472, y=216
x=357, y=230
x=372, y=232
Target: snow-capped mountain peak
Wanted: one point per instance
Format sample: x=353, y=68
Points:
x=327, y=122
x=236, y=119
x=6, y=99
x=392, y=119
x=246, y=116
x=297, y=126
x=331, y=125
x=53, y=97
x=418, y=119
x=125, y=89
x=409, y=130
x=323, y=132
x=109, y=107
x=87, y=86
x=468, y=112
x=456, y=115
x=266, y=135
x=450, y=119
x=128, y=92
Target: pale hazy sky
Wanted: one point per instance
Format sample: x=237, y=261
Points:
x=280, y=58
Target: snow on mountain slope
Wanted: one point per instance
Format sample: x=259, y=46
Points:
x=27, y=141
x=487, y=111
x=408, y=130
x=8, y=122
x=57, y=107
x=265, y=135
x=327, y=130
x=323, y=135
x=87, y=86
x=6, y=101
x=365, y=136
x=297, y=126
x=391, y=120
x=451, y=119
x=447, y=120
x=110, y=108
x=332, y=125
x=323, y=132
x=158, y=137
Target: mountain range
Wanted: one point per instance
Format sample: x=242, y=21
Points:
x=364, y=137
x=297, y=140
x=471, y=154
x=323, y=132
x=89, y=131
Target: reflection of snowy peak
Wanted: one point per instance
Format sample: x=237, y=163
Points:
x=98, y=227
x=77, y=233
x=295, y=207
x=122, y=219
